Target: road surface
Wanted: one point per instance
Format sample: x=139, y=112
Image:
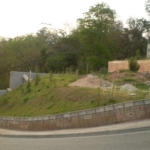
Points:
x=138, y=140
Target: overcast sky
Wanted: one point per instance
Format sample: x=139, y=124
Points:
x=20, y=17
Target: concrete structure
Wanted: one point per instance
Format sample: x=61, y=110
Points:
x=118, y=65
x=2, y=92
x=123, y=112
x=16, y=78
x=148, y=51
x=148, y=44
x=124, y=65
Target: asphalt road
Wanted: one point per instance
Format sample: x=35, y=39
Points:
x=139, y=140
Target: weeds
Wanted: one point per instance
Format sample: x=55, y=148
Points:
x=28, y=87
x=51, y=76
x=37, y=79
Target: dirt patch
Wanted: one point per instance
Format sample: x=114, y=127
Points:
x=119, y=79
x=141, y=77
x=92, y=82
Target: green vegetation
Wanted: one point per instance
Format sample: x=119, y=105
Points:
x=98, y=38
x=133, y=65
x=52, y=95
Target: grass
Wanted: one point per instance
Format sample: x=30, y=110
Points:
x=52, y=95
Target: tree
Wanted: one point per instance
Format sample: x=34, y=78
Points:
x=147, y=7
x=93, y=33
x=136, y=29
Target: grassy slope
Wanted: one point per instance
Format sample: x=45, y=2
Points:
x=53, y=95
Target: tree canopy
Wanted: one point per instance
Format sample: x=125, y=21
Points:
x=98, y=38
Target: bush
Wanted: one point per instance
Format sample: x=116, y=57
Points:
x=103, y=71
x=133, y=65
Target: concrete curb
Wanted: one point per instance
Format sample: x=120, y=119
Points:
x=79, y=134
x=137, y=126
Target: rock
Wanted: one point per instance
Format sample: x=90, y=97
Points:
x=147, y=82
x=90, y=76
x=146, y=75
x=9, y=89
x=129, y=88
x=105, y=84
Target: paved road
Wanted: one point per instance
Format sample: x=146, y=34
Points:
x=138, y=140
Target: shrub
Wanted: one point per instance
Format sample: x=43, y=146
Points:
x=103, y=71
x=133, y=65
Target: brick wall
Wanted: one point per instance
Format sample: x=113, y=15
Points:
x=118, y=65
x=112, y=114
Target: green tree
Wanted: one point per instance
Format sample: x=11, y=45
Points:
x=93, y=33
x=147, y=7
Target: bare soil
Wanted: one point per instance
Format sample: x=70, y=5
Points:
x=94, y=82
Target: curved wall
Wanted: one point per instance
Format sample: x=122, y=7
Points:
x=112, y=114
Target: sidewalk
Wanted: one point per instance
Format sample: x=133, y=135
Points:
x=77, y=132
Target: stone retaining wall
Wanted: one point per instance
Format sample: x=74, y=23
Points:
x=123, y=112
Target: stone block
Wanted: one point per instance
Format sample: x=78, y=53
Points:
x=147, y=101
x=137, y=103
x=39, y=118
x=59, y=116
x=81, y=113
x=67, y=125
x=45, y=117
x=88, y=117
x=34, y=118
x=130, y=115
x=90, y=111
x=74, y=114
x=140, y=114
x=59, y=123
x=138, y=108
x=52, y=117
x=128, y=109
x=120, y=116
x=83, y=123
x=11, y=118
x=128, y=104
x=74, y=122
x=21, y=119
x=30, y=118
x=66, y=115
x=118, y=106
x=67, y=119
x=100, y=109
x=108, y=108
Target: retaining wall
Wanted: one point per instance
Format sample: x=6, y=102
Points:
x=112, y=114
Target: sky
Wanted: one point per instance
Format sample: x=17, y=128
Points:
x=21, y=17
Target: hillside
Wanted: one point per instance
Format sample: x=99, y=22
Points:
x=51, y=94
